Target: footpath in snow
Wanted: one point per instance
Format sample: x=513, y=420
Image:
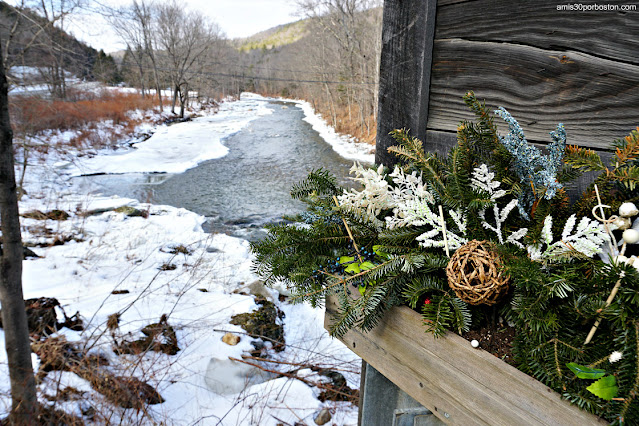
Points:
x=124, y=265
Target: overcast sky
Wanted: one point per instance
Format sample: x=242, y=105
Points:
x=237, y=18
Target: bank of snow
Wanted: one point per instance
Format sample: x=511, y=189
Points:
x=181, y=146
x=199, y=292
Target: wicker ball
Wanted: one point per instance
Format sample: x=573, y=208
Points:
x=475, y=274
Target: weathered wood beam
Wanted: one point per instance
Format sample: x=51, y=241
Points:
x=459, y=384
x=595, y=98
x=406, y=57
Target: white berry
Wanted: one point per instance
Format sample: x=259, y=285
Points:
x=631, y=236
x=628, y=210
x=615, y=356
x=620, y=259
x=474, y=343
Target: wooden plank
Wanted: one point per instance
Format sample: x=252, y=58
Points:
x=604, y=34
x=406, y=56
x=596, y=99
x=461, y=385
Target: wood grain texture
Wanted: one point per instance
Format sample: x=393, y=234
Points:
x=461, y=385
x=407, y=43
x=595, y=98
x=604, y=34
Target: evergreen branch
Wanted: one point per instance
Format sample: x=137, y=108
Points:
x=627, y=148
x=628, y=176
x=320, y=182
x=583, y=158
x=635, y=388
x=410, y=149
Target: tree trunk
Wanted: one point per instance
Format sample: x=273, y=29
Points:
x=157, y=82
x=14, y=317
x=184, y=96
x=176, y=89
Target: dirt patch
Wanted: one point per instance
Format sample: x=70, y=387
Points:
x=496, y=339
x=52, y=215
x=49, y=416
x=57, y=353
x=159, y=337
x=264, y=323
x=42, y=317
x=178, y=249
x=167, y=267
x=127, y=392
x=337, y=389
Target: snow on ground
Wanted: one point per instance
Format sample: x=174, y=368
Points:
x=199, y=289
x=343, y=145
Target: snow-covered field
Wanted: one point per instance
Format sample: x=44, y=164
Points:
x=165, y=264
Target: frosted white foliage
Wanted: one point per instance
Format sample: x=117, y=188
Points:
x=370, y=201
x=410, y=201
x=433, y=238
x=483, y=179
x=415, y=206
x=587, y=238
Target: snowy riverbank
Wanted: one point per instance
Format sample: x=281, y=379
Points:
x=176, y=148
x=146, y=261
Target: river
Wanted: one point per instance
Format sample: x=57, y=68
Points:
x=247, y=188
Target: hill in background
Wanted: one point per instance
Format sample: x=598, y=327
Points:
x=279, y=36
x=34, y=42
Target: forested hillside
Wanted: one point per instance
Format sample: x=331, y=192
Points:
x=330, y=59
x=36, y=37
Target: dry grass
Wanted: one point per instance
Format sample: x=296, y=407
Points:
x=30, y=115
x=351, y=124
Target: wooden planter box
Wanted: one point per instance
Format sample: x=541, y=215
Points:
x=459, y=384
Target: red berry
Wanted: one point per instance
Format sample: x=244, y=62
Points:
x=427, y=302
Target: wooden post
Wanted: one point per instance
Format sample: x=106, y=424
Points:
x=407, y=46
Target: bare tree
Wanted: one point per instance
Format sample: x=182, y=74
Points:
x=185, y=37
x=14, y=317
x=135, y=26
x=37, y=30
x=351, y=25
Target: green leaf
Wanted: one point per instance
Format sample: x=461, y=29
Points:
x=346, y=259
x=365, y=266
x=377, y=249
x=353, y=268
x=583, y=372
x=362, y=289
x=604, y=388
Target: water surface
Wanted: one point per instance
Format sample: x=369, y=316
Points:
x=247, y=188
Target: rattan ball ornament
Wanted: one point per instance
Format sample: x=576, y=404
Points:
x=475, y=274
